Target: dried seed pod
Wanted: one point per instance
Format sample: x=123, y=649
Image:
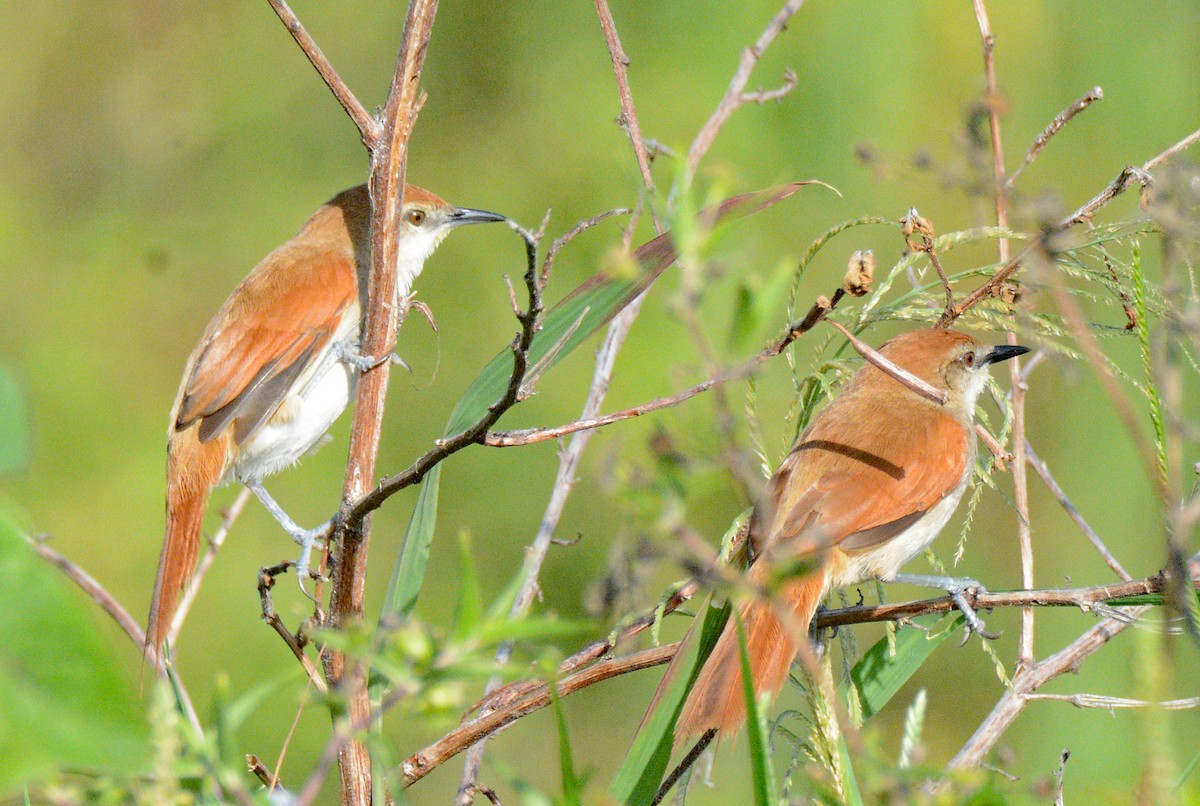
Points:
x=860, y=272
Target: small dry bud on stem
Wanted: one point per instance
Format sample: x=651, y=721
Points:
x=860, y=272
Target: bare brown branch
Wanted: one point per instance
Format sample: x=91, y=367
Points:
x=368, y=127
x=1042, y=470
x=351, y=537
x=523, y=698
x=629, y=118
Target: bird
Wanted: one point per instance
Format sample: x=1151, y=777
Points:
x=276, y=367
x=864, y=489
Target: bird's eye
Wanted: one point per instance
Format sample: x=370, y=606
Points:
x=969, y=359
x=415, y=217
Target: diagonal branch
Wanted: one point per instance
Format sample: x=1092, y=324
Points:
x=529, y=436
x=368, y=127
x=736, y=96
x=530, y=320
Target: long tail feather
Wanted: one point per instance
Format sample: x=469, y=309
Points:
x=193, y=469
x=717, y=699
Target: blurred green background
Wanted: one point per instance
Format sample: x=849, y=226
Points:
x=154, y=152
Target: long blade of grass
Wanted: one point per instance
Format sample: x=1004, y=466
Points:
x=762, y=775
x=646, y=762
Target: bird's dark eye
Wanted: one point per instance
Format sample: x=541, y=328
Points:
x=415, y=217
x=969, y=359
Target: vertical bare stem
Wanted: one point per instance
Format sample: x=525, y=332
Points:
x=349, y=569
x=628, y=116
x=1020, y=481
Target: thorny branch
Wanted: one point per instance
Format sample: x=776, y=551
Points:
x=530, y=320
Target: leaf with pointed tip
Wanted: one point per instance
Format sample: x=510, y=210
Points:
x=878, y=675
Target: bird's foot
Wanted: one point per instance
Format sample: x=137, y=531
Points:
x=963, y=591
x=307, y=539
x=350, y=354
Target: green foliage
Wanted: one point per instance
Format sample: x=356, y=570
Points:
x=646, y=761
x=14, y=425
x=762, y=774
x=64, y=701
x=883, y=669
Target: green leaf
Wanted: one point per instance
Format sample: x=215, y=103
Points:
x=470, y=600
x=762, y=774
x=409, y=571
x=646, y=762
x=878, y=675
x=14, y=425
x=571, y=784
x=64, y=702
x=566, y=326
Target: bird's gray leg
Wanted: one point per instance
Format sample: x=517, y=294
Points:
x=958, y=588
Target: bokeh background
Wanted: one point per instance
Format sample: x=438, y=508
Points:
x=154, y=152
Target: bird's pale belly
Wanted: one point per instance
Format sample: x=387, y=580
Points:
x=299, y=423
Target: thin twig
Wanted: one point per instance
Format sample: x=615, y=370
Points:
x=1128, y=175
x=530, y=321
x=1042, y=470
x=368, y=127
x=992, y=104
x=1020, y=481
x=1054, y=127
x=528, y=436
x=629, y=118
x=1110, y=703
x=1070, y=658
x=266, y=581
x=736, y=96
x=108, y=603
x=95, y=591
x=900, y=375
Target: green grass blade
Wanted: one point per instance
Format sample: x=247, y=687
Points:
x=762, y=775
x=571, y=783
x=409, y=571
x=878, y=675
x=646, y=762
x=469, y=608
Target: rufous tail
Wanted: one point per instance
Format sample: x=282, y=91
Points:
x=717, y=699
x=193, y=469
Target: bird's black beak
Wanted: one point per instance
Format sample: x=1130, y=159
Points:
x=1003, y=352
x=466, y=215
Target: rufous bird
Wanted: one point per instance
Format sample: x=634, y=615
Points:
x=276, y=367
x=865, y=488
